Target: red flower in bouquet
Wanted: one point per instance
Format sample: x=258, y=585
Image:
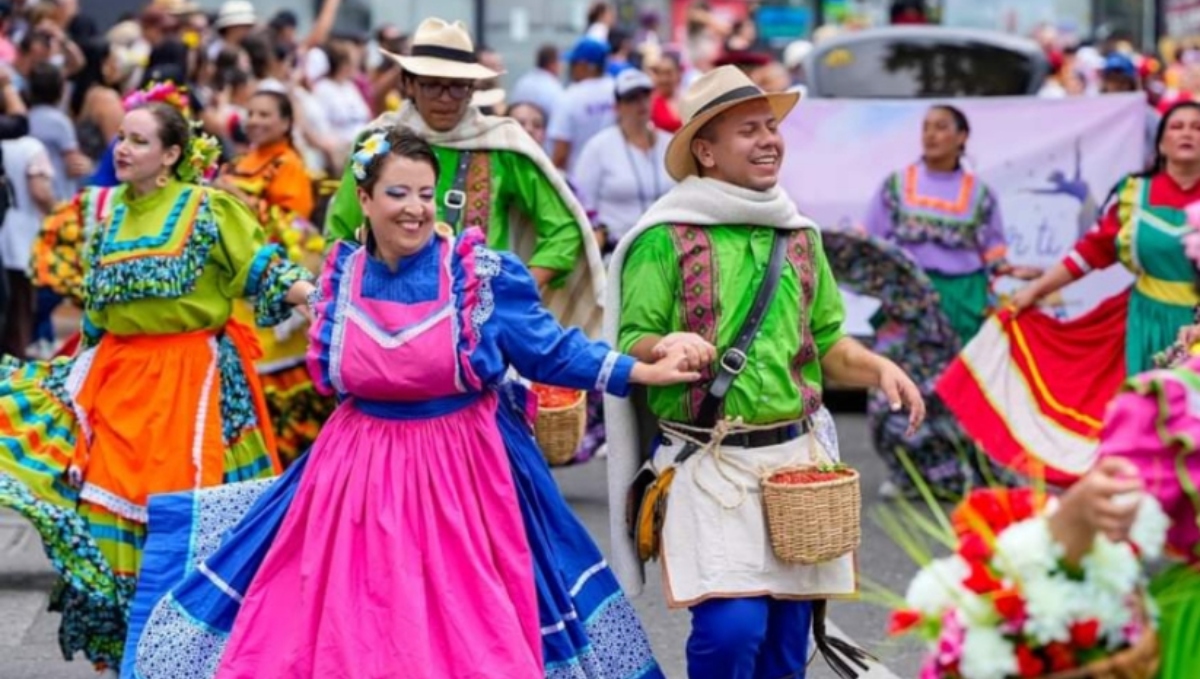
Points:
x=981, y=581
x=1010, y=606
x=973, y=548
x=1028, y=663
x=902, y=621
x=1085, y=635
x=985, y=512
x=1062, y=658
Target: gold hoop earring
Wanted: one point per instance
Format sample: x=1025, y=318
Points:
x=162, y=181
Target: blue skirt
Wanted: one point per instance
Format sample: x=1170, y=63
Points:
x=204, y=548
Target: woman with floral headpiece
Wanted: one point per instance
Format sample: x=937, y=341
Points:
x=273, y=181
x=422, y=534
x=163, y=395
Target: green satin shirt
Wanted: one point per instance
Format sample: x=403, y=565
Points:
x=767, y=391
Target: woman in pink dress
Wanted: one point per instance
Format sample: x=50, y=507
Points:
x=422, y=536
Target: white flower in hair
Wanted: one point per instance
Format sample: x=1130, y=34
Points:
x=373, y=146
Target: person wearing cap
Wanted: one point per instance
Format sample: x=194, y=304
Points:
x=794, y=56
x=1119, y=75
x=716, y=231
x=587, y=105
x=492, y=175
x=621, y=172
x=283, y=28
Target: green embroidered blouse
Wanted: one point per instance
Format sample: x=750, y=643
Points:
x=173, y=261
x=781, y=378
x=516, y=182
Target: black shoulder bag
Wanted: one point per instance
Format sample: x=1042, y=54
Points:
x=646, y=502
x=456, y=198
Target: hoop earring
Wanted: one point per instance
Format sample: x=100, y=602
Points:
x=162, y=181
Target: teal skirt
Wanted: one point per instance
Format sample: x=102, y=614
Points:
x=1152, y=326
x=1177, y=593
x=965, y=300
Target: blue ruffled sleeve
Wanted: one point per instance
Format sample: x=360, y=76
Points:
x=323, y=303
x=531, y=339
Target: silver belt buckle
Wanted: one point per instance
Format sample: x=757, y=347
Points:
x=734, y=361
x=455, y=199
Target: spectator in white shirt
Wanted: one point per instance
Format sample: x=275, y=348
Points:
x=587, y=106
x=345, y=110
x=543, y=85
x=50, y=125
x=621, y=170
x=28, y=168
x=600, y=18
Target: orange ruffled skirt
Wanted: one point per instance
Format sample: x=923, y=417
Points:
x=84, y=441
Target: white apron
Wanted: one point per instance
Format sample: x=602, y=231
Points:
x=714, y=538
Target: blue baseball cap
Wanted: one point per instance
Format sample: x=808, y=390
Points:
x=1120, y=64
x=588, y=51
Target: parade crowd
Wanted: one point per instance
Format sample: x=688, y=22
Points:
x=321, y=282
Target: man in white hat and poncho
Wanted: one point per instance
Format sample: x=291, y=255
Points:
x=493, y=176
x=726, y=267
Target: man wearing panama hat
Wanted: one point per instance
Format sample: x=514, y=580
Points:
x=691, y=274
x=493, y=175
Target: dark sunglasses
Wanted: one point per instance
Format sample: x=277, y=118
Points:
x=432, y=89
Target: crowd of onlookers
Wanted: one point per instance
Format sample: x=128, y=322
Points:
x=603, y=109
x=64, y=79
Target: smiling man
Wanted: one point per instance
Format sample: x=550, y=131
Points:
x=493, y=175
x=691, y=274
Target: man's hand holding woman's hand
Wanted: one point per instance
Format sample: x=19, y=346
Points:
x=698, y=352
x=678, y=358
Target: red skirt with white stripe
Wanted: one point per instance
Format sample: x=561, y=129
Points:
x=1032, y=390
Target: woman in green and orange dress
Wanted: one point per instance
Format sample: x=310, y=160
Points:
x=274, y=182
x=162, y=396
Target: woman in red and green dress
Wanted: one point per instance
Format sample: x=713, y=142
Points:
x=1142, y=229
x=274, y=182
x=163, y=395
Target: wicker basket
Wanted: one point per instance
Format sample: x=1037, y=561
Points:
x=813, y=523
x=1139, y=661
x=561, y=430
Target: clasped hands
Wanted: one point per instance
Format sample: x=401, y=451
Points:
x=697, y=352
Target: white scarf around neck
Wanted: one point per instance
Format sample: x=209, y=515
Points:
x=695, y=201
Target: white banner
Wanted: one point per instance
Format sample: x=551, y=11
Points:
x=1050, y=162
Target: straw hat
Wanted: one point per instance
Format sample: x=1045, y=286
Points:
x=711, y=95
x=488, y=98
x=235, y=13
x=441, y=49
x=177, y=8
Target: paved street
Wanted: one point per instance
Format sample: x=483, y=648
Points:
x=28, y=647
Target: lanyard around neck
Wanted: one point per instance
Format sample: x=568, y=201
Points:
x=643, y=201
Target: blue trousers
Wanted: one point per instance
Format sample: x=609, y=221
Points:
x=754, y=638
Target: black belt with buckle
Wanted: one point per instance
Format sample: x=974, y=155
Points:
x=755, y=439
